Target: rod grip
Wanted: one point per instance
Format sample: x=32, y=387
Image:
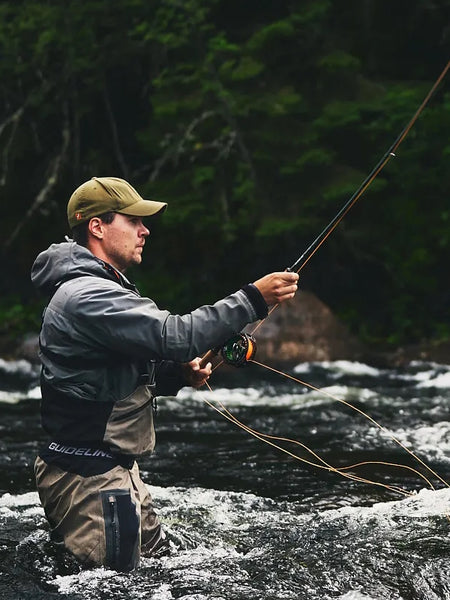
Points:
x=208, y=357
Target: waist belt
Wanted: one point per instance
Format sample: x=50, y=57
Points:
x=83, y=451
x=83, y=459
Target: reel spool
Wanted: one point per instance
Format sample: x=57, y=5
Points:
x=239, y=349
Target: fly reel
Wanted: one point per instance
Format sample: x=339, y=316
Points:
x=239, y=349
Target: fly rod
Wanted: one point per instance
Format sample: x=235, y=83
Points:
x=390, y=153
x=240, y=349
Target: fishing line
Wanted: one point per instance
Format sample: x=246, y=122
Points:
x=361, y=412
x=224, y=412
x=261, y=436
x=239, y=350
x=236, y=352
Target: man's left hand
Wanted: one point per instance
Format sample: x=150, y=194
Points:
x=194, y=375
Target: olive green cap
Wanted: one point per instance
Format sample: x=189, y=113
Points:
x=104, y=194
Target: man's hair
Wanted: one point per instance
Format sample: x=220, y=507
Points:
x=80, y=232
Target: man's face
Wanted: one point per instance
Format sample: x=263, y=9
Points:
x=124, y=240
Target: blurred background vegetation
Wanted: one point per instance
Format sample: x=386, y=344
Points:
x=255, y=120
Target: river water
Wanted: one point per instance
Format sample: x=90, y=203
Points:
x=247, y=521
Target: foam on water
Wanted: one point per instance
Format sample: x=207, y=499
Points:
x=17, y=396
x=226, y=541
x=300, y=398
x=239, y=397
x=229, y=510
x=248, y=396
x=426, y=374
x=432, y=441
x=18, y=367
x=9, y=397
x=21, y=377
x=340, y=367
x=424, y=504
x=441, y=381
x=85, y=580
x=217, y=563
x=356, y=595
x=11, y=500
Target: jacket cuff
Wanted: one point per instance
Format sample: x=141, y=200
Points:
x=257, y=300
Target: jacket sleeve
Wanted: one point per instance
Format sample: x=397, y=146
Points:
x=113, y=318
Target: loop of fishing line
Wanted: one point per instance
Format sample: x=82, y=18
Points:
x=366, y=416
x=266, y=438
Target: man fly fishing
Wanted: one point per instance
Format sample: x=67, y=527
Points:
x=107, y=353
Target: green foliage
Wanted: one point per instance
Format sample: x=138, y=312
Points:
x=256, y=122
x=18, y=317
x=339, y=61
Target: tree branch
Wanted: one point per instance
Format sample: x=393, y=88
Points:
x=52, y=179
x=14, y=119
x=177, y=149
x=229, y=117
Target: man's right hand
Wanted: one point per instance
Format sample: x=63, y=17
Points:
x=277, y=287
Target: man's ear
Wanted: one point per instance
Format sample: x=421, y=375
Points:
x=96, y=227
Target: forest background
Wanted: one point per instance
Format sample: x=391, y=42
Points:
x=255, y=120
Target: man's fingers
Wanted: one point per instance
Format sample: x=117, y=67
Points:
x=277, y=287
x=285, y=291
x=195, y=364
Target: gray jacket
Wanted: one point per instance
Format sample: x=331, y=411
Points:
x=104, y=348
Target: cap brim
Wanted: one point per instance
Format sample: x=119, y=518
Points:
x=144, y=208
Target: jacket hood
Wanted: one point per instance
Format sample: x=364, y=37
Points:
x=68, y=260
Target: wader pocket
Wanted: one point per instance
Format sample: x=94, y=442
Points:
x=129, y=429
x=122, y=530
